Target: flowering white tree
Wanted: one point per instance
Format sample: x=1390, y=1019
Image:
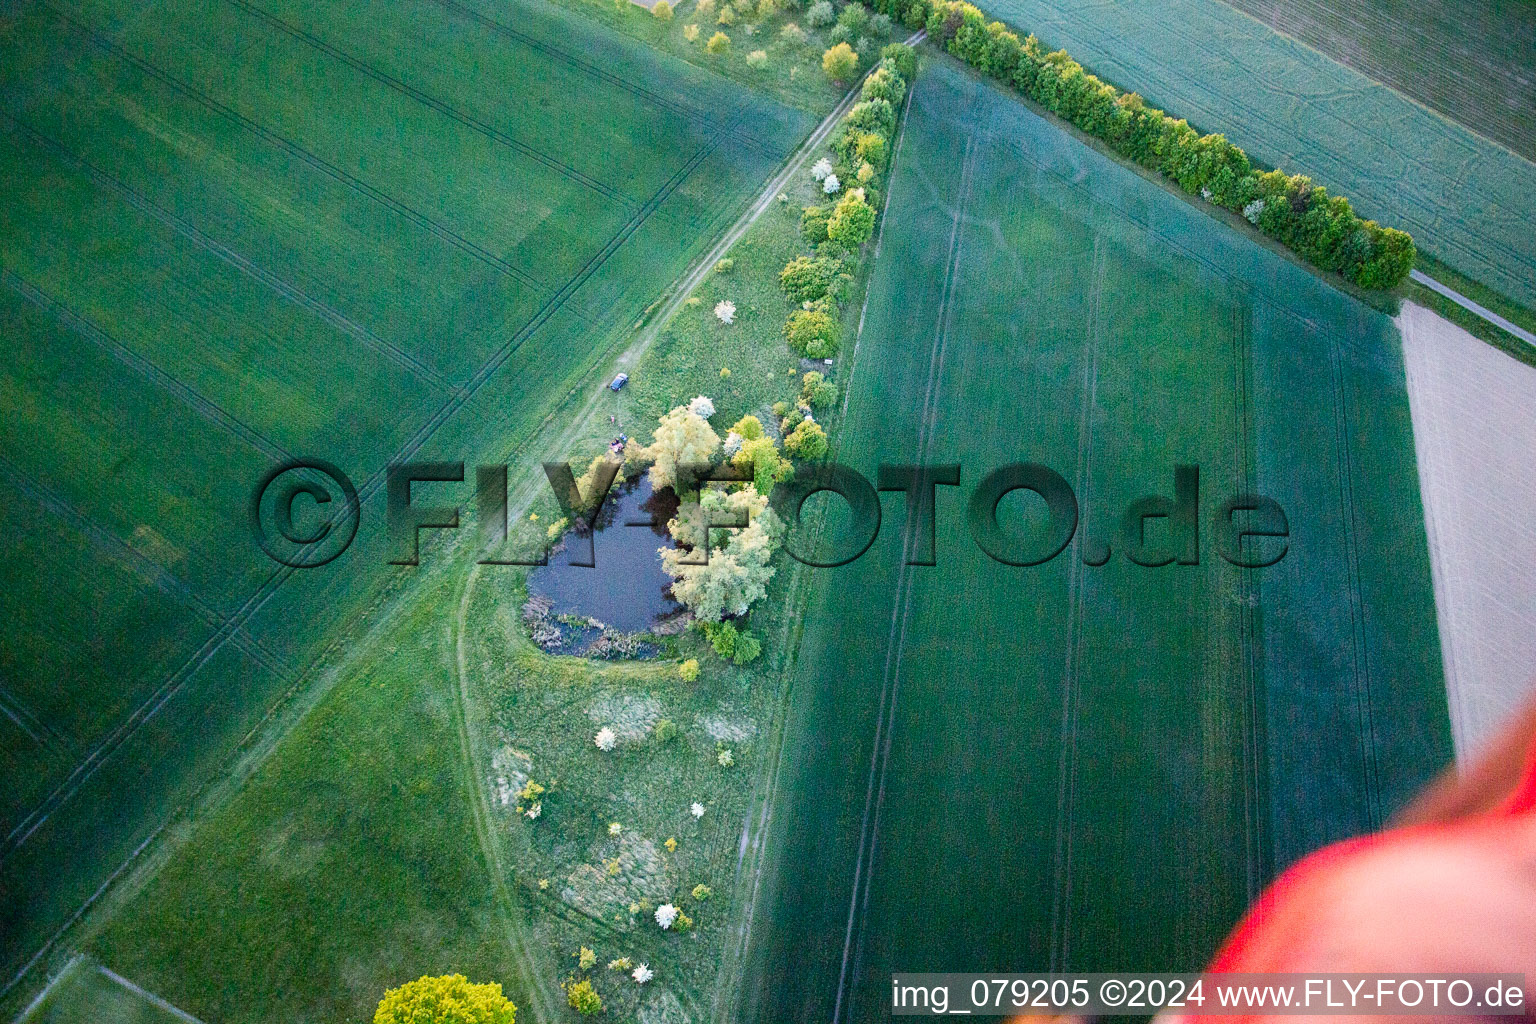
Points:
x=534, y=811
x=702, y=406
x=725, y=309
x=605, y=739
x=739, y=565
x=615, y=829
x=665, y=915
x=726, y=758
x=821, y=168
x=1252, y=210
x=697, y=810
x=733, y=442
x=831, y=184
x=642, y=974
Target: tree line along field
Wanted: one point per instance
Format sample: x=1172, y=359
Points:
x=1464, y=199
x=242, y=232
x=1471, y=62
x=1074, y=766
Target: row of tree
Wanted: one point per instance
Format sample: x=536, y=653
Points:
x=1290, y=208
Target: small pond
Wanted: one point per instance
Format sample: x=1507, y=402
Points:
x=627, y=589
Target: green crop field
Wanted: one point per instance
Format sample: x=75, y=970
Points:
x=1465, y=200
x=238, y=232
x=1071, y=766
x=1472, y=62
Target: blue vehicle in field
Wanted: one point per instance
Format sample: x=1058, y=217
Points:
x=619, y=382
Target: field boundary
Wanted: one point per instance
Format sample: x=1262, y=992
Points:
x=1472, y=307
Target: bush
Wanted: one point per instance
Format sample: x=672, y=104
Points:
x=727, y=16
x=820, y=14
x=430, y=999
x=766, y=8
x=748, y=647
x=812, y=333
x=722, y=637
x=903, y=59
x=817, y=391
x=725, y=266
x=876, y=116
x=806, y=279
x=813, y=224
x=807, y=441
x=718, y=43
x=662, y=11
x=792, y=34
x=583, y=998
x=757, y=59
x=705, y=8
x=665, y=730
x=883, y=84
x=840, y=62
x=691, y=32
x=688, y=672
x=853, y=220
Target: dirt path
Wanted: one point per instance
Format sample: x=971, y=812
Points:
x=1474, y=434
x=1467, y=304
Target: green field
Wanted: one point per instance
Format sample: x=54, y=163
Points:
x=1471, y=62
x=242, y=232
x=1066, y=766
x=1465, y=200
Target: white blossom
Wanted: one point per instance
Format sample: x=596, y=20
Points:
x=1253, y=210
x=697, y=810
x=665, y=915
x=725, y=758
x=642, y=974
x=821, y=169
x=1206, y=193
x=534, y=811
x=702, y=406
x=605, y=739
x=615, y=829
x=733, y=442
x=725, y=309
x=831, y=184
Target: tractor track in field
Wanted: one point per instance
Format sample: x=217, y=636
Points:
x=885, y=719
x=191, y=233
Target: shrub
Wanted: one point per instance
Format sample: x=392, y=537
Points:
x=840, y=62
x=766, y=8
x=748, y=648
x=817, y=391
x=812, y=333
x=748, y=428
x=853, y=220
x=688, y=672
x=873, y=116
x=870, y=148
x=883, y=84
x=705, y=8
x=583, y=998
x=725, y=266
x=722, y=637
x=691, y=33
x=792, y=34
x=586, y=959
x=429, y=999
x=880, y=25
x=813, y=224
x=662, y=11
x=757, y=59
x=665, y=730
x=820, y=14
x=807, y=441
x=903, y=59
x=727, y=16
x=701, y=892
x=806, y=279
x=718, y=43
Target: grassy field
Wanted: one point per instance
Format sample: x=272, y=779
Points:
x=241, y=232
x=1465, y=200
x=1471, y=62
x=1072, y=766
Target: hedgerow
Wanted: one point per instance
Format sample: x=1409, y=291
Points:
x=1322, y=229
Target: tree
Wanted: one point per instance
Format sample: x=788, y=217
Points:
x=807, y=441
x=812, y=333
x=813, y=222
x=738, y=569
x=757, y=59
x=682, y=437
x=817, y=391
x=449, y=999
x=718, y=43
x=903, y=60
x=662, y=11
x=582, y=997
x=853, y=220
x=840, y=62
x=820, y=14
x=806, y=279
x=691, y=32
x=768, y=467
x=748, y=428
